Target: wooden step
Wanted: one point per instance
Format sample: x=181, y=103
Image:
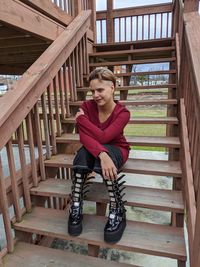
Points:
x=141, y=73
x=138, y=120
x=159, y=240
x=137, y=102
x=132, y=62
x=140, y=166
x=135, y=87
x=159, y=199
x=28, y=255
x=164, y=42
x=156, y=141
x=143, y=51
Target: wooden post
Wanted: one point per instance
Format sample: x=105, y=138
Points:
x=92, y=6
x=109, y=22
x=77, y=7
x=191, y=5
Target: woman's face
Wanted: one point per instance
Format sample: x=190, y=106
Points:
x=102, y=91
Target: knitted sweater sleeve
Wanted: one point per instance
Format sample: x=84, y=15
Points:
x=107, y=135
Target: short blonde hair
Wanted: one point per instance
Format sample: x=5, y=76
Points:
x=102, y=74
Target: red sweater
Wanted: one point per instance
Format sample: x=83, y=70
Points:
x=93, y=133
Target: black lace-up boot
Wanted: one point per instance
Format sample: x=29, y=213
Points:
x=79, y=189
x=116, y=223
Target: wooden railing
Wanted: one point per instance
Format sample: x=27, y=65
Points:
x=52, y=81
x=135, y=24
x=188, y=38
x=70, y=6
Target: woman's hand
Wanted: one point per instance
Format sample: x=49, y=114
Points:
x=80, y=112
x=109, y=169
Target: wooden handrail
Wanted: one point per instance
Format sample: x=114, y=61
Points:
x=17, y=103
x=136, y=11
x=189, y=90
x=51, y=10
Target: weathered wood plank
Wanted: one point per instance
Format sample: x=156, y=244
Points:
x=136, y=11
x=140, y=166
x=131, y=62
x=140, y=237
x=28, y=255
x=159, y=199
x=145, y=120
x=17, y=103
x=51, y=10
x=160, y=141
x=17, y=14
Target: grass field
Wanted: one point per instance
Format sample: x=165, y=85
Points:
x=147, y=129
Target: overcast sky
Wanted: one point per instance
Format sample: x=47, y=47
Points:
x=101, y=4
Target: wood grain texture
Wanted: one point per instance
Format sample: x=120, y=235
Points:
x=140, y=237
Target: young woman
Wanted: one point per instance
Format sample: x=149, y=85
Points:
x=101, y=122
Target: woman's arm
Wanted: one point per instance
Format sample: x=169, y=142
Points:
x=108, y=167
x=107, y=135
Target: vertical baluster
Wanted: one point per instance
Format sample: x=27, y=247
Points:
x=137, y=28
x=77, y=68
x=149, y=26
x=155, y=26
x=70, y=79
x=81, y=63
x=125, y=35
x=46, y=126
x=86, y=55
x=131, y=28
x=39, y=141
x=167, y=35
x=5, y=211
x=161, y=27
x=65, y=5
x=142, y=27
x=13, y=178
x=51, y=119
x=57, y=113
x=22, y=157
x=60, y=82
x=74, y=75
x=66, y=85
x=120, y=30
x=32, y=149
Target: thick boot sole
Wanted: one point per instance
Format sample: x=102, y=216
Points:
x=75, y=230
x=115, y=236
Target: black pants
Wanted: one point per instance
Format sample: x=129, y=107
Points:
x=85, y=162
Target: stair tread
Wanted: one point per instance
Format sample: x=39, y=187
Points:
x=133, y=51
x=161, y=42
x=130, y=62
x=132, y=140
x=30, y=255
x=161, y=199
x=140, y=166
x=141, y=237
x=135, y=87
x=138, y=120
x=138, y=102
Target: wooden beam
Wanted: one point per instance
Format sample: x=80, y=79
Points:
x=110, y=22
x=192, y=29
x=191, y=5
x=18, y=15
x=50, y=10
x=21, y=41
x=12, y=70
x=16, y=104
x=136, y=11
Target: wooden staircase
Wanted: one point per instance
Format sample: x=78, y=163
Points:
x=48, y=217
